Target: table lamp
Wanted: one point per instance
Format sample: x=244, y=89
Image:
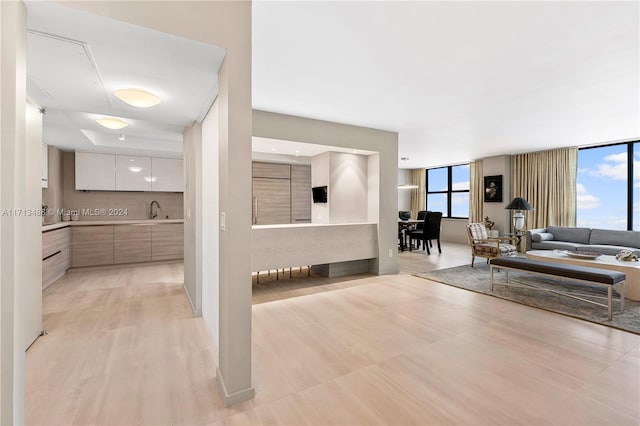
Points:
x=518, y=204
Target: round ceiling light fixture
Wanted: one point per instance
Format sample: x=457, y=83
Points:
x=112, y=123
x=137, y=97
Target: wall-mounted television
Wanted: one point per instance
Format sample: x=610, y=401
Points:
x=319, y=194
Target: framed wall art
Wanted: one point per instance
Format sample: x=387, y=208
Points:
x=493, y=189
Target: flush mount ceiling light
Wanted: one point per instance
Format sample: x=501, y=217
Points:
x=150, y=178
x=135, y=169
x=137, y=97
x=112, y=123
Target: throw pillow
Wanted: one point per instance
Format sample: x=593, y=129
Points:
x=542, y=236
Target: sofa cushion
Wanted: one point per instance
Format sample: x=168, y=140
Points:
x=570, y=234
x=615, y=238
x=554, y=245
x=542, y=236
x=606, y=249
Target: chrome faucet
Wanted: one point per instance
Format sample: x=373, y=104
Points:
x=154, y=214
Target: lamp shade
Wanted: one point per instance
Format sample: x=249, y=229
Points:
x=519, y=203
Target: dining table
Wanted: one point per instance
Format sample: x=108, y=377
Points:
x=405, y=226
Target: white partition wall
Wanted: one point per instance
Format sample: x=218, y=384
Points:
x=291, y=128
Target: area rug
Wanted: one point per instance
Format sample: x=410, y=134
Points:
x=477, y=279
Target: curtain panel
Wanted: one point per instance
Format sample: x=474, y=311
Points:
x=547, y=179
x=418, y=201
x=476, y=192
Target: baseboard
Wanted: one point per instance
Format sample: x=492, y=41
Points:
x=196, y=312
x=236, y=397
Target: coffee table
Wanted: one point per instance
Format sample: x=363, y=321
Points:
x=631, y=269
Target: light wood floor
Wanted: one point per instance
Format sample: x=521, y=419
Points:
x=123, y=348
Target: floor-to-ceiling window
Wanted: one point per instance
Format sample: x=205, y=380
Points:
x=608, y=183
x=448, y=190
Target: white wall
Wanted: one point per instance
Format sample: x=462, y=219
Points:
x=492, y=166
x=210, y=214
x=404, y=195
x=16, y=169
x=29, y=292
x=192, y=154
x=373, y=191
x=348, y=187
x=320, y=176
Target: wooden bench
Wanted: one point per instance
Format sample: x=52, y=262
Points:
x=601, y=277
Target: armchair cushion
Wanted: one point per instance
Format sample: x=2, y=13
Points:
x=492, y=249
x=478, y=231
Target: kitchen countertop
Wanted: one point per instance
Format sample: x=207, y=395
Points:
x=58, y=225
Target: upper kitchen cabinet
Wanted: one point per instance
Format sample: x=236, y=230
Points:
x=95, y=171
x=109, y=172
x=133, y=173
x=167, y=175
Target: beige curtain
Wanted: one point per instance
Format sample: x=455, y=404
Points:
x=418, y=202
x=476, y=192
x=547, y=179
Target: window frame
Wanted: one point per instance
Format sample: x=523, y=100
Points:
x=449, y=192
x=630, y=154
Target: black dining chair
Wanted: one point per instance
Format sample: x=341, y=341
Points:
x=430, y=231
x=420, y=226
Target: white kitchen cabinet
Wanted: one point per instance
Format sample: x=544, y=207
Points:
x=167, y=175
x=95, y=171
x=44, y=174
x=133, y=173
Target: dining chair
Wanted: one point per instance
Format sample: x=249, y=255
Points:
x=430, y=231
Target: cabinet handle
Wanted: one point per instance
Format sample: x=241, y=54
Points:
x=51, y=255
x=255, y=210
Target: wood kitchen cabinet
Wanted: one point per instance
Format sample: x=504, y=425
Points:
x=132, y=243
x=271, y=201
x=167, y=241
x=55, y=255
x=300, y=194
x=271, y=170
x=92, y=245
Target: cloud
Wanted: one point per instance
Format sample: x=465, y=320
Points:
x=458, y=186
x=584, y=199
x=614, y=167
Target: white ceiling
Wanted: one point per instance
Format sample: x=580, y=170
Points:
x=76, y=60
x=297, y=149
x=457, y=80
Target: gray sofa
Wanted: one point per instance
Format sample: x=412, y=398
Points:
x=603, y=241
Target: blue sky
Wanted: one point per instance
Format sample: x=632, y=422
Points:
x=438, y=182
x=602, y=187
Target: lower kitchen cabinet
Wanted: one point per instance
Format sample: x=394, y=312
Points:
x=92, y=245
x=132, y=243
x=167, y=241
x=55, y=255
